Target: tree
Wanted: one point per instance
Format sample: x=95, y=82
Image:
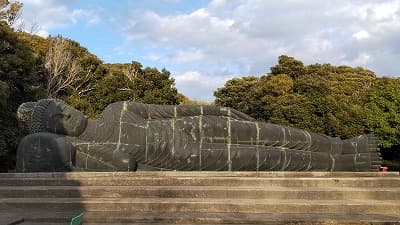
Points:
x=147, y=85
x=383, y=118
x=155, y=87
x=10, y=11
x=289, y=66
x=132, y=70
x=19, y=82
x=184, y=100
x=321, y=97
x=383, y=104
x=66, y=75
x=241, y=94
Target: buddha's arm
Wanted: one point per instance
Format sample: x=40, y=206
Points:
x=103, y=157
x=49, y=152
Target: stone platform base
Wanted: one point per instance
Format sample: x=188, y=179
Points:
x=201, y=198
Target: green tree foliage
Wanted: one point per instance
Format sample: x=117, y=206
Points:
x=125, y=82
x=281, y=104
x=240, y=93
x=383, y=102
x=155, y=87
x=289, y=66
x=19, y=82
x=337, y=96
x=321, y=97
x=383, y=118
x=184, y=100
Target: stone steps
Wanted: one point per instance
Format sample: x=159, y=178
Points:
x=208, y=174
x=212, y=218
x=387, y=207
x=244, y=192
x=201, y=198
x=204, y=181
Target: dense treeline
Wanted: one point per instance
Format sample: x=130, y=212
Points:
x=334, y=100
x=339, y=101
x=20, y=81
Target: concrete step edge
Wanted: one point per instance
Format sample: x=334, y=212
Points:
x=194, y=200
x=205, y=174
x=327, y=193
x=200, y=188
x=255, y=182
x=396, y=178
x=192, y=217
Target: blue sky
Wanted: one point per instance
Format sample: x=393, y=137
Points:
x=206, y=42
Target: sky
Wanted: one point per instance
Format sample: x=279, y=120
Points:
x=204, y=43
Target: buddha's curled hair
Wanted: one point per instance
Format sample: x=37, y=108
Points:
x=24, y=115
x=32, y=115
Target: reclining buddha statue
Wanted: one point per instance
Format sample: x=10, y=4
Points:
x=166, y=137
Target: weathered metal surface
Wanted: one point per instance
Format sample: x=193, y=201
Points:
x=165, y=137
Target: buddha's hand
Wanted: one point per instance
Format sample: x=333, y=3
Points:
x=45, y=152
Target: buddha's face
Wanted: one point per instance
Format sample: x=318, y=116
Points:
x=63, y=119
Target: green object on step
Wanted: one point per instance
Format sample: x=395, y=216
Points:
x=77, y=220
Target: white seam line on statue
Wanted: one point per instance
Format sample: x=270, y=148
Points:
x=333, y=162
x=309, y=161
x=87, y=156
x=201, y=134
x=229, y=140
x=147, y=141
x=173, y=131
x=133, y=124
x=358, y=141
x=355, y=160
x=289, y=138
x=284, y=159
x=257, y=143
x=289, y=160
x=124, y=108
x=308, y=136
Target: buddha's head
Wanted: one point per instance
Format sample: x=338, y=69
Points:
x=51, y=115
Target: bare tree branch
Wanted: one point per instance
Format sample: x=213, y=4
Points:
x=64, y=71
x=132, y=71
x=34, y=28
x=10, y=11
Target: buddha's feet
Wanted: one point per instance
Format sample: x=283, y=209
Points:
x=359, y=154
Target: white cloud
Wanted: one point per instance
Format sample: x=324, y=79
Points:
x=184, y=56
x=199, y=86
x=52, y=14
x=90, y=16
x=361, y=35
x=42, y=33
x=250, y=35
x=362, y=59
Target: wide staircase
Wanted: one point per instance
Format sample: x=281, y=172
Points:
x=200, y=198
